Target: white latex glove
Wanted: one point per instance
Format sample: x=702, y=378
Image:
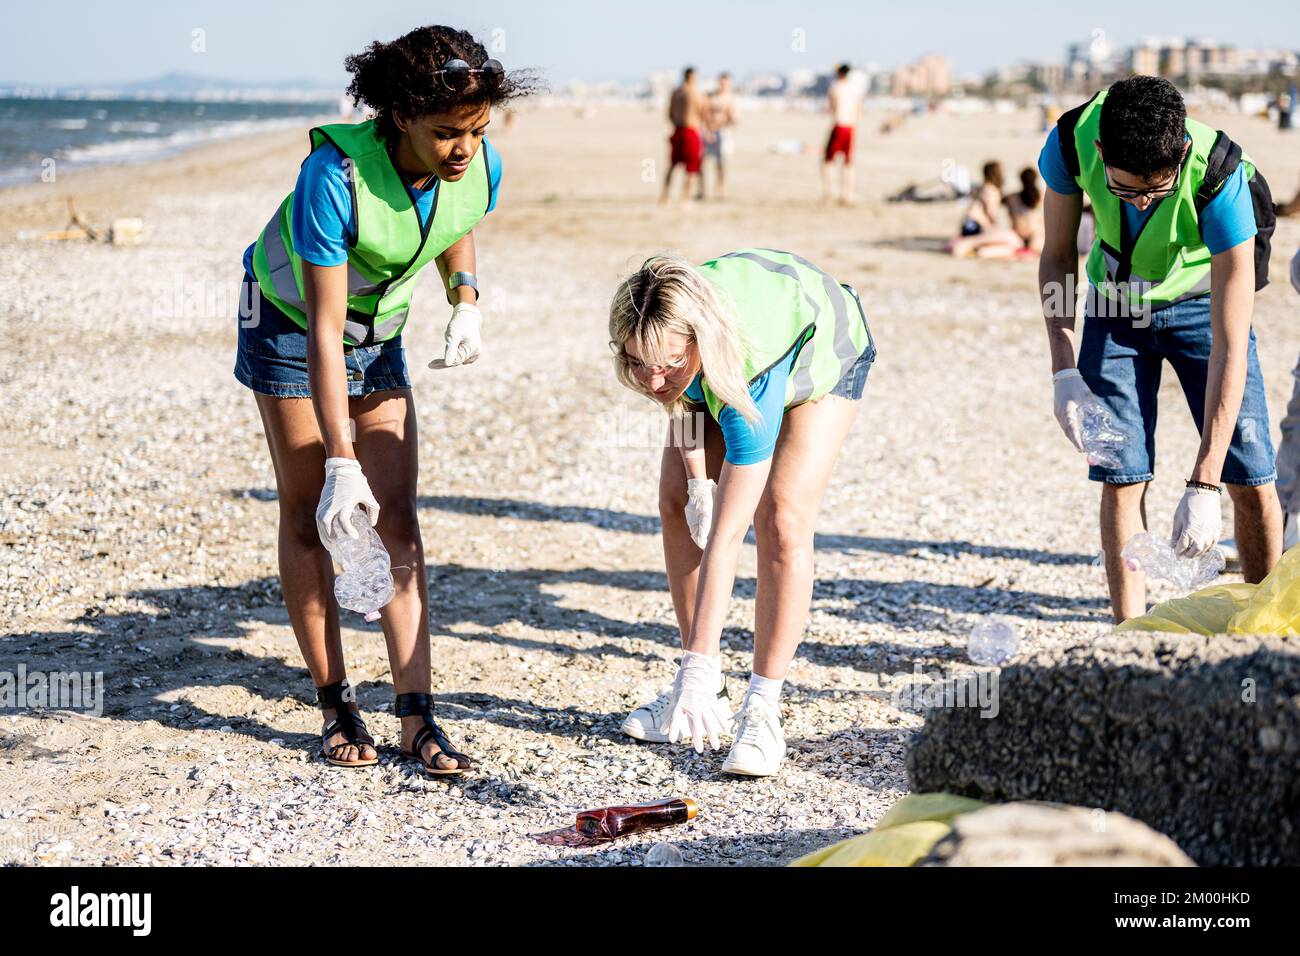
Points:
x=1197, y=522
x=1071, y=393
x=463, y=341
x=699, y=509
x=345, y=489
x=694, y=690
x=1295, y=271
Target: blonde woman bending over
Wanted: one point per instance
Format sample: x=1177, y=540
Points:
x=760, y=358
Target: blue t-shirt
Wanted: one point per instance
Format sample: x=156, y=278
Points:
x=1227, y=220
x=324, y=218
x=746, y=444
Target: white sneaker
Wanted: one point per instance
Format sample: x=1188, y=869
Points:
x=759, y=745
x=650, y=722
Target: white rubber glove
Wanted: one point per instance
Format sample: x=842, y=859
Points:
x=1295, y=271
x=699, y=509
x=463, y=340
x=1197, y=522
x=694, y=690
x=345, y=489
x=1070, y=394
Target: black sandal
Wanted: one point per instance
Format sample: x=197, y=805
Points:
x=421, y=705
x=337, y=697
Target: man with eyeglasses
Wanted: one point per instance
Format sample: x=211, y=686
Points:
x=1169, y=278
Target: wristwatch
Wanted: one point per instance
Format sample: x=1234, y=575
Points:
x=459, y=279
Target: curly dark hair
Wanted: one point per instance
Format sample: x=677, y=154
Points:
x=399, y=77
x=1143, y=126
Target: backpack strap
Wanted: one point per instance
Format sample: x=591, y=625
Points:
x=1065, y=137
x=1224, y=158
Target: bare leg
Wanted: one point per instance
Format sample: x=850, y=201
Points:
x=810, y=441
x=1123, y=514
x=690, y=187
x=848, y=177
x=828, y=187
x=387, y=446
x=306, y=571
x=1257, y=518
x=681, y=555
x=668, y=182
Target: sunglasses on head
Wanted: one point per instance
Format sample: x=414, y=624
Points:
x=456, y=74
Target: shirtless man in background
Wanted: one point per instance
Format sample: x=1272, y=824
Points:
x=722, y=117
x=687, y=109
x=844, y=100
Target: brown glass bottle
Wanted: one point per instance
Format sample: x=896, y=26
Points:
x=609, y=822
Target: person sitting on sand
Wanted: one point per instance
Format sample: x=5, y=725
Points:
x=982, y=213
x=1167, y=280
x=327, y=290
x=761, y=360
x=687, y=109
x=1024, y=238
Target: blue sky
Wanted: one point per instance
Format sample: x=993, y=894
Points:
x=81, y=42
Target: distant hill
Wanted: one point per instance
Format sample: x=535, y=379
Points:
x=184, y=86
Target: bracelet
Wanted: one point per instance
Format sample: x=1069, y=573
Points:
x=1204, y=485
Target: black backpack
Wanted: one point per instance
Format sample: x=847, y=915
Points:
x=1225, y=157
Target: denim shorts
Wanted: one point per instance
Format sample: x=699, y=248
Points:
x=853, y=382
x=272, y=354
x=1122, y=362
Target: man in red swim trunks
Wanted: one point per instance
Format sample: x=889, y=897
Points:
x=845, y=103
x=686, y=112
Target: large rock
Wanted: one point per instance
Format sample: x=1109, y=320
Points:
x=1198, y=737
x=1044, y=834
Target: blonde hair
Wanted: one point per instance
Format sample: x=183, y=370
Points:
x=666, y=295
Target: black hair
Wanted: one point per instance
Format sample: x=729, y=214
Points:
x=688, y=73
x=1143, y=126
x=842, y=69
x=1030, y=194
x=400, y=76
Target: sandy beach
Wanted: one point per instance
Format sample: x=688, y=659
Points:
x=138, y=517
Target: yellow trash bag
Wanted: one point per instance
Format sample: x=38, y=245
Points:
x=903, y=836
x=1270, y=607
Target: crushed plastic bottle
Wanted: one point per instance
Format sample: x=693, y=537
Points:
x=664, y=854
x=366, y=582
x=1102, y=440
x=992, y=643
x=1145, y=552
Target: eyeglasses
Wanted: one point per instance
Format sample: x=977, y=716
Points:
x=456, y=74
x=638, y=366
x=1164, y=192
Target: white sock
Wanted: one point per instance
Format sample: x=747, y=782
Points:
x=766, y=687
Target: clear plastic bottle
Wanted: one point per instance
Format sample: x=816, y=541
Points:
x=1102, y=441
x=664, y=854
x=992, y=643
x=366, y=582
x=1155, y=556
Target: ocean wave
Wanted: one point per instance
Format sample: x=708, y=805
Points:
x=144, y=148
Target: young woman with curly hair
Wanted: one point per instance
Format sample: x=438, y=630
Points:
x=327, y=290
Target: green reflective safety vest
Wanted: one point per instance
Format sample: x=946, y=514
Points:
x=390, y=247
x=783, y=304
x=1167, y=260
